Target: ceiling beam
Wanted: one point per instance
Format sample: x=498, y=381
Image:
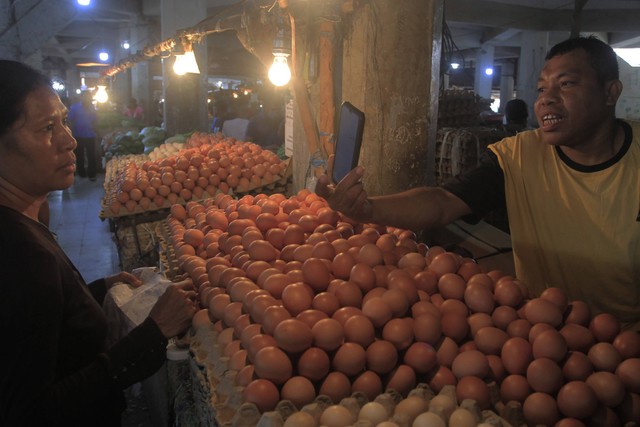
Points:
x=501, y=15
x=36, y=26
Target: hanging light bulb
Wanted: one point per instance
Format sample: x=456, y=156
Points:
x=280, y=73
x=186, y=62
x=101, y=95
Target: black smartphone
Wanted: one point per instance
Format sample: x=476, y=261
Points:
x=348, y=141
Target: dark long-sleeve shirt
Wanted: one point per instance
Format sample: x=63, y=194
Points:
x=54, y=366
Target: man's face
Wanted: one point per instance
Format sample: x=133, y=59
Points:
x=36, y=154
x=571, y=102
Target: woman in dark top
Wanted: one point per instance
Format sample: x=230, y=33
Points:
x=55, y=368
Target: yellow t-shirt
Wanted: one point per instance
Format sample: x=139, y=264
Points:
x=576, y=227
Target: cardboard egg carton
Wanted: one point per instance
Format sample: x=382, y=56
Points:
x=224, y=400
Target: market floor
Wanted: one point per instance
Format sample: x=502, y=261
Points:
x=89, y=243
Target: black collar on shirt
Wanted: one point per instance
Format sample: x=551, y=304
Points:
x=628, y=136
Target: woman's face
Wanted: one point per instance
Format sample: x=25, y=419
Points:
x=36, y=154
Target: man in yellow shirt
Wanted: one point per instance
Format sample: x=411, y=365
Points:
x=571, y=187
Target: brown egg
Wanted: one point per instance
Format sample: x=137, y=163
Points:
x=539, y=310
x=447, y=351
x=478, y=321
x=577, y=400
x=272, y=316
x=342, y=264
x=378, y=311
x=503, y=315
x=245, y=376
x=349, y=294
x=544, y=375
x=519, y=328
x=628, y=344
x=577, y=337
x=627, y=371
x=299, y=390
x=314, y=364
x=412, y=259
x=514, y=388
x=540, y=409
x=328, y=334
x=550, y=344
x=442, y=377
x=473, y=388
x=259, y=305
x=312, y=316
x=424, y=307
x=516, y=354
x=399, y=332
x=556, y=296
x=608, y=388
x=604, y=357
x=316, y=274
x=490, y=340
x=397, y=301
x=443, y=263
x=577, y=366
x=426, y=281
x=275, y=284
x=369, y=254
x=605, y=327
x=368, y=383
x=468, y=268
x=381, y=357
x=404, y=283
x=478, y=298
x=273, y=364
x=455, y=326
x=336, y=386
x=470, y=363
x=344, y=313
x=350, y=359
x=450, y=285
x=402, y=379
x=360, y=330
x=264, y=394
x=421, y=357
x=537, y=329
x=297, y=297
x=257, y=342
x=326, y=302
x=497, y=370
x=578, y=312
x=293, y=335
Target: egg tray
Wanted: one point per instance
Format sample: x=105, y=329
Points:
x=221, y=403
x=280, y=185
x=168, y=262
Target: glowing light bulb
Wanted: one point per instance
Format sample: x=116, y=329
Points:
x=279, y=73
x=488, y=71
x=101, y=94
x=104, y=56
x=186, y=64
x=455, y=65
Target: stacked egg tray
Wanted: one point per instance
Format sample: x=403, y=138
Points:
x=458, y=149
x=219, y=402
x=115, y=171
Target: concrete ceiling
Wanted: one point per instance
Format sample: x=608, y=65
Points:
x=65, y=35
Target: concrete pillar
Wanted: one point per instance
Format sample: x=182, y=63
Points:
x=185, y=107
x=484, y=60
x=534, y=48
x=506, y=84
x=390, y=70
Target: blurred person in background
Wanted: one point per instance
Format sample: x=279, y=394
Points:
x=83, y=118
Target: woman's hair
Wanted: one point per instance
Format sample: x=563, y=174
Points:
x=601, y=56
x=17, y=81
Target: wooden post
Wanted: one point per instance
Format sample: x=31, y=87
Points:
x=327, y=101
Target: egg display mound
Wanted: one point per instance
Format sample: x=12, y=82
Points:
x=299, y=303
x=208, y=164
